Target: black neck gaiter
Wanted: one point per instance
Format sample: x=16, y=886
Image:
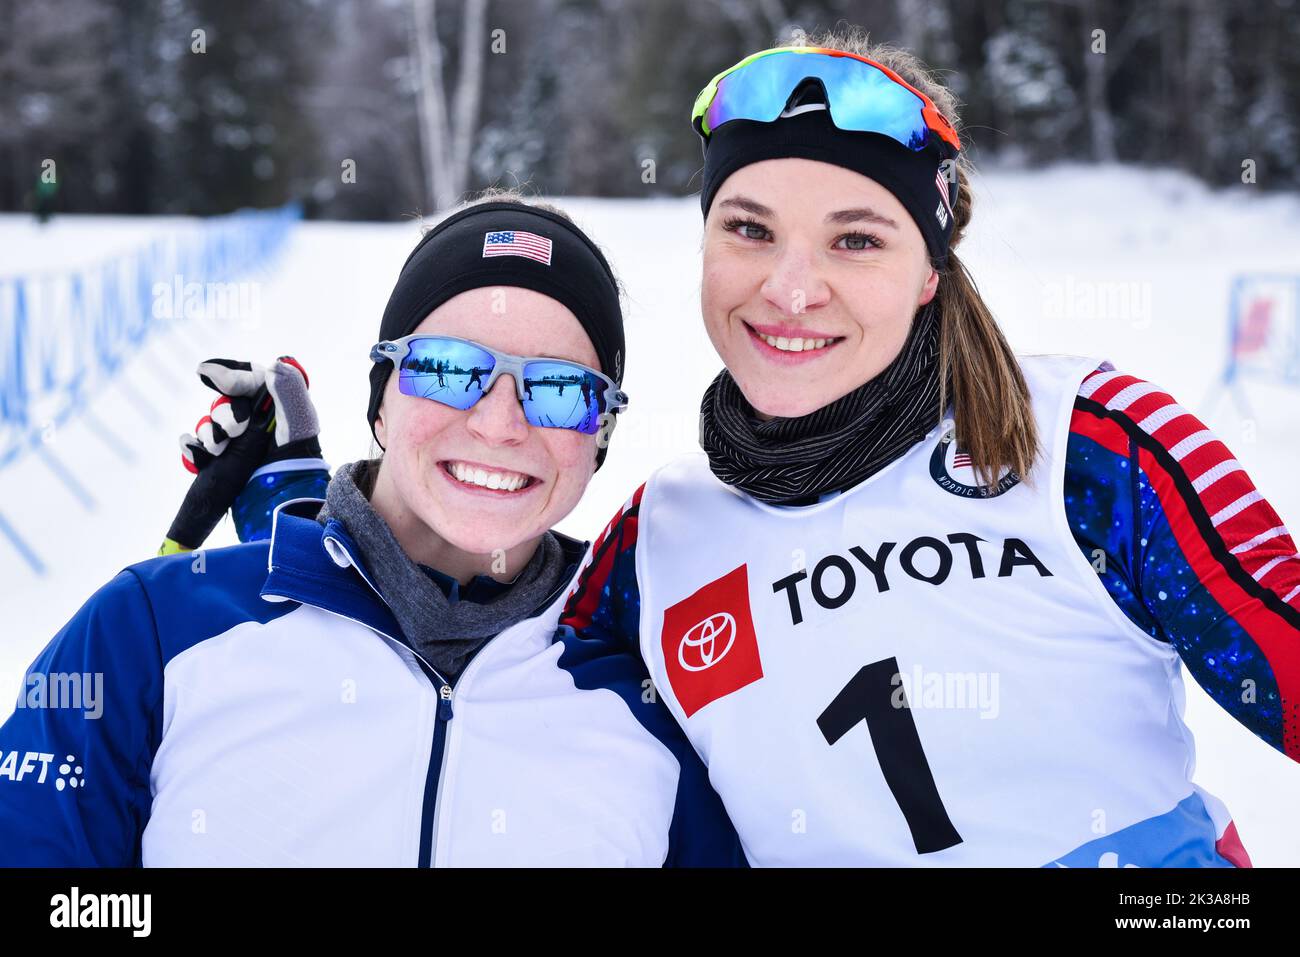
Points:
x=792, y=461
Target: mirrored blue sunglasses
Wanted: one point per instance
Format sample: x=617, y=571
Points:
x=554, y=393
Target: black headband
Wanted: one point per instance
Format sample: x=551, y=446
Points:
x=505, y=244
x=916, y=178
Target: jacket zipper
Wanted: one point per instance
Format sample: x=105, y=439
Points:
x=437, y=753
x=464, y=676
x=433, y=780
x=436, y=756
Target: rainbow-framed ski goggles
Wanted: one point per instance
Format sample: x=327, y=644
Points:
x=861, y=94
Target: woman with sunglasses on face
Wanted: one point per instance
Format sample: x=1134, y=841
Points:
x=374, y=679
x=921, y=602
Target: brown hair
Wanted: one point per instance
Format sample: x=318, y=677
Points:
x=503, y=194
x=990, y=398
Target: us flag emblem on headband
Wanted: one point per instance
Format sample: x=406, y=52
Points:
x=941, y=181
x=516, y=242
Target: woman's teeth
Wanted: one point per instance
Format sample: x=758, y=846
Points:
x=794, y=345
x=505, y=481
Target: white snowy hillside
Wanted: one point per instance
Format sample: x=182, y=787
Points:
x=1133, y=265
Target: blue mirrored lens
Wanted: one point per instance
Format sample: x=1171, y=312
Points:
x=556, y=394
x=861, y=97
x=562, y=395
x=446, y=371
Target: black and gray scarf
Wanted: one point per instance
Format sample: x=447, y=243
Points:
x=793, y=461
x=447, y=634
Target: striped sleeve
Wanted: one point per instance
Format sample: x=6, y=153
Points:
x=1195, y=555
x=605, y=599
x=600, y=631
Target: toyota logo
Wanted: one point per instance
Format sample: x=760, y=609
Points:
x=708, y=642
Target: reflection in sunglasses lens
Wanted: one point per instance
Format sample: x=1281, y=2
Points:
x=449, y=372
x=562, y=396
x=555, y=394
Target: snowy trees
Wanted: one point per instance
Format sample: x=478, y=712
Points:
x=378, y=108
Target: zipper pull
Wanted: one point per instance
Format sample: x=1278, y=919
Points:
x=444, y=702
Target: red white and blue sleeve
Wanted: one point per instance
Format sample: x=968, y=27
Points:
x=1194, y=554
x=600, y=630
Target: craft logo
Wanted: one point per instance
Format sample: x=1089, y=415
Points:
x=35, y=766
x=709, y=645
x=952, y=469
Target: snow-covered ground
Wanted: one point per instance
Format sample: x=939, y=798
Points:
x=1040, y=243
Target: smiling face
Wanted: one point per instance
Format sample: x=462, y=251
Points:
x=430, y=488
x=812, y=274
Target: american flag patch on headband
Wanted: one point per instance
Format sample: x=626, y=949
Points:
x=942, y=182
x=516, y=242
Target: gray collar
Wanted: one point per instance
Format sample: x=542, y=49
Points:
x=445, y=632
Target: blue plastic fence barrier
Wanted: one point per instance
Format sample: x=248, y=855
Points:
x=63, y=335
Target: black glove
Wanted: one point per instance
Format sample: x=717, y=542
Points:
x=262, y=415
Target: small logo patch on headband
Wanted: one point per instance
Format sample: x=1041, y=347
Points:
x=944, y=209
x=516, y=242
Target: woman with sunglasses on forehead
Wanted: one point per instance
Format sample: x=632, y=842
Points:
x=373, y=679
x=922, y=602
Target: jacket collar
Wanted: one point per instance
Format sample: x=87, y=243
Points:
x=574, y=552
x=321, y=566
x=316, y=565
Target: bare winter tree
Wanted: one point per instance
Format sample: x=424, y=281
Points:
x=447, y=126
x=413, y=92
x=1100, y=64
